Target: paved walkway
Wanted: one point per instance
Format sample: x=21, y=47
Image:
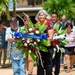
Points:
x=9, y=71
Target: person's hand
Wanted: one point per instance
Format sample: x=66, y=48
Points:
x=14, y=40
x=11, y=40
x=50, y=39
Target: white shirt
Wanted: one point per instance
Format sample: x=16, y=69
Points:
x=12, y=51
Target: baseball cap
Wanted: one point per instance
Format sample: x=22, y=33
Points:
x=13, y=19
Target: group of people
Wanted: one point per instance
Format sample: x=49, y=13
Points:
x=19, y=63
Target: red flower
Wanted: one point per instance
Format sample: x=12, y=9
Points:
x=59, y=43
x=22, y=45
x=33, y=31
x=54, y=43
x=54, y=31
x=24, y=40
x=32, y=40
x=28, y=32
x=32, y=48
x=48, y=22
x=37, y=28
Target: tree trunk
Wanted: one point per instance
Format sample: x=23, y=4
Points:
x=7, y=13
x=14, y=8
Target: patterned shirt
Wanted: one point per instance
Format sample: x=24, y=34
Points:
x=12, y=51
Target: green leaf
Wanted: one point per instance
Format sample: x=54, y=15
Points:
x=46, y=42
x=33, y=55
x=42, y=28
x=19, y=44
x=25, y=54
x=23, y=30
x=62, y=32
x=42, y=48
x=37, y=25
x=31, y=24
x=64, y=42
x=56, y=27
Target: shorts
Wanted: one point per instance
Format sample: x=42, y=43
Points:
x=69, y=50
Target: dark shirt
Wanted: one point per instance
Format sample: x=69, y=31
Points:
x=63, y=25
x=2, y=40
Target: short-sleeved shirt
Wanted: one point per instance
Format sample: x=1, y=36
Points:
x=63, y=25
x=70, y=38
x=12, y=51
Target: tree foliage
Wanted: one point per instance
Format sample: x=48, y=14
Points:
x=4, y=4
x=62, y=7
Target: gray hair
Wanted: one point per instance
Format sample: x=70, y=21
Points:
x=44, y=12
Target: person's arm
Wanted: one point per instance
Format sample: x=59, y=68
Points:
x=8, y=36
x=50, y=34
x=11, y=40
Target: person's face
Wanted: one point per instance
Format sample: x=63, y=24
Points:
x=2, y=25
x=54, y=18
x=26, y=22
x=42, y=17
x=14, y=25
x=63, y=18
x=68, y=28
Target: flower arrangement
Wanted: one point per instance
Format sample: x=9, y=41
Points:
x=32, y=40
x=35, y=40
x=59, y=39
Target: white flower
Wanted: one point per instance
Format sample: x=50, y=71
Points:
x=28, y=41
x=23, y=38
x=30, y=29
x=35, y=43
x=59, y=37
x=37, y=32
x=25, y=44
x=29, y=51
x=38, y=40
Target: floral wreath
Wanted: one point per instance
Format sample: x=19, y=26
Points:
x=35, y=40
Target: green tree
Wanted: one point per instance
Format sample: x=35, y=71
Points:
x=62, y=7
x=4, y=4
x=1, y=8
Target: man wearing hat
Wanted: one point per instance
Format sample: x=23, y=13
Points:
x=18, y=62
